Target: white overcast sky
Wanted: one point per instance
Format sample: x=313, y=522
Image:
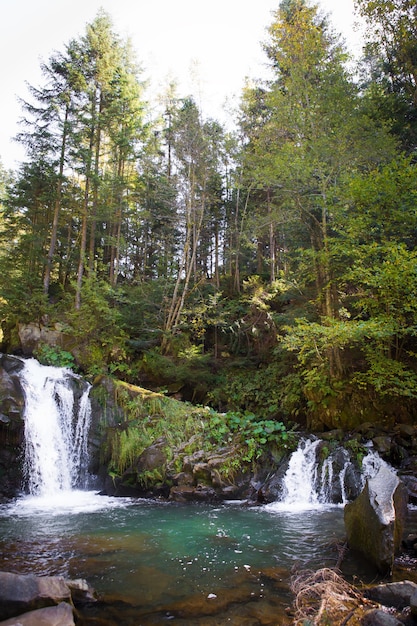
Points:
x=208, y=46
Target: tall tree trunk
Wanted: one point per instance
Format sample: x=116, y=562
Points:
x=186, y=268
x=83, y=249
x=84, y=223
x=94, y=208
x=272, y=259
x=57, y=206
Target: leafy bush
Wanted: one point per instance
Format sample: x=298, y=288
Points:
x=53, y=355
x=252, y=433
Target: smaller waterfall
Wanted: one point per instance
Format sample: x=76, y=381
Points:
x=299, y=484
x=56, y=429
x=311, y=482
x=332, y=482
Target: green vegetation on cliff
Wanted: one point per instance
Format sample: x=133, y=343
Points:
x=149, y=420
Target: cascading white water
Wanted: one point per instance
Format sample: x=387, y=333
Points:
x=56, y=430
x=328, y=478
x=371, y=465
x=309, y=483
x=299, y=483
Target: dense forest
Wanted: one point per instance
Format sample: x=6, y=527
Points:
x=270, y=268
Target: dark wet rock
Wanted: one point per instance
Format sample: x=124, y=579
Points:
x=153, y=457
x=12, y=399
x=184, y=478
x=411, y=484
x=266, y=483
x=410, y=542
x=374, y=522
x=413, y=605
x=379, y=617
x=397, y=595
x=406, y=430
x=398, y=455
x=341, y=465
x=61, y=615
x=353, y=482
x=382, y=444
x=12, y=402
x=81, y=592
x=332, y=435
x=186, y=493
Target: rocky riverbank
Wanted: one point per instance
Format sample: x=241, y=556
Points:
x=321, y=597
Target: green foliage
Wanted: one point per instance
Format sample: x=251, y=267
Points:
x=53, y=355
x=94, y=328
x=386, y=376
x=21, y=295
x=357, y=450
x=270, y=273
x=313, y=341
x=271, y=389
x=391, y=50
x=130, y=444
x=252, y=432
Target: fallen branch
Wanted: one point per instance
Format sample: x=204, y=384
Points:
x=323, y=597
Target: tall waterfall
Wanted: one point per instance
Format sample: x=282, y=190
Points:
x=56, y=430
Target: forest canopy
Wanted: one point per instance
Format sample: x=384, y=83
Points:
x=269, y=268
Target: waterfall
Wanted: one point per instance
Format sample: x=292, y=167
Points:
x=311, y=482
x=56, y=429
x=299, y=483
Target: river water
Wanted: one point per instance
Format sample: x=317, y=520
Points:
x=152, y=562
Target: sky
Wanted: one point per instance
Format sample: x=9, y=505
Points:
x=209, y=47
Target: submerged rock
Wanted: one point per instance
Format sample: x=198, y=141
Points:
x=375, y=520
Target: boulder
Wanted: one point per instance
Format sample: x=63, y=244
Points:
x=397, y=595
x=32, y=335
x=22, y=593
x=60, y=615
x=382, y=444
x=374, y=522
x=153, y=457
x=378, y=617
x=406, y=430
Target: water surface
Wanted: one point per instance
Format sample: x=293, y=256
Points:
x=152, y=562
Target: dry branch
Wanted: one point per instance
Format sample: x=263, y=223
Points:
x=324, y=597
